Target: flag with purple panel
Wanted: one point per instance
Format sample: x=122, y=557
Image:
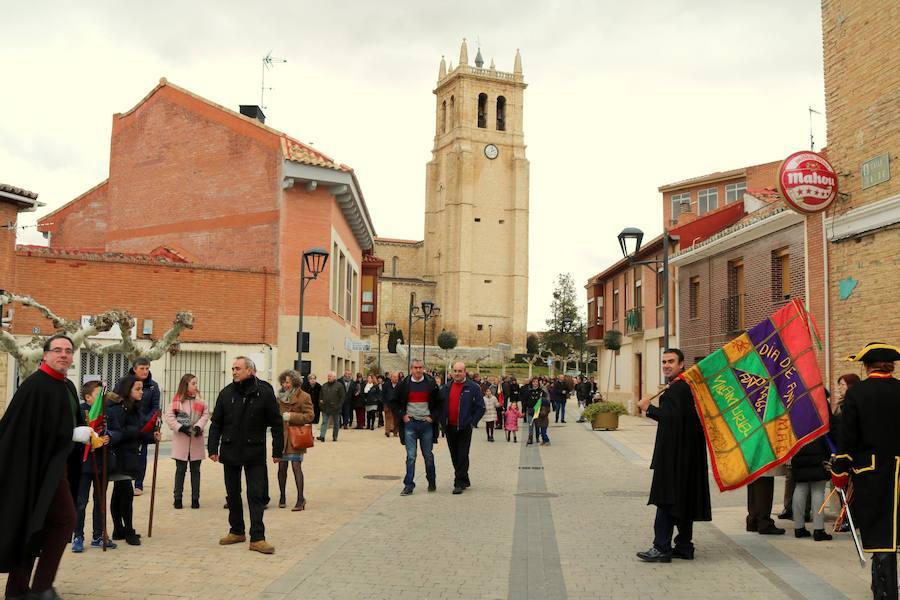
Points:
x=760, y=397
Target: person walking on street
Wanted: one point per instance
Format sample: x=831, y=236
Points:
x=388, y=392
x=542, y=421
x=332, y=399
x=512, y=422
x=372, y=398
x=490, y=413
x=187, y=417
x=530, y=395
x=870, y=451
x=237, y=438
x=314, y=389
x=349, y=393
x=417, y=402
x=462, y=405
x=558, y=394
x=37, y=511
x=296, y=408
x=680, y=487
x=359, y=401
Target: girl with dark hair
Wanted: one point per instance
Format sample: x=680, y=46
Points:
x=124, y=424
x=296, y=408
x=187, y=417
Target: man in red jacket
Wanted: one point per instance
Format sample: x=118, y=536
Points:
x=462, y=407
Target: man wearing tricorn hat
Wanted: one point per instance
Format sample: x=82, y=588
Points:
x=870, y=453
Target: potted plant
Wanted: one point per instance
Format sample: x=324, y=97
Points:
x=604, y=415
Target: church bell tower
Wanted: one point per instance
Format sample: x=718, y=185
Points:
x=476, y=208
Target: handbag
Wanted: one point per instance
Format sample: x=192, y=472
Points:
x=300, y=436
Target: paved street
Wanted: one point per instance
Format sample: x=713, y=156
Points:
x=557, y=522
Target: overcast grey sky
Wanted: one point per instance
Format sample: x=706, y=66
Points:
x=623, y=96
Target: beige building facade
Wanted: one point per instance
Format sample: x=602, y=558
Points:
x=473, y=261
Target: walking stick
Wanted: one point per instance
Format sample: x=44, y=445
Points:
x=105, y=482
x=153, y=485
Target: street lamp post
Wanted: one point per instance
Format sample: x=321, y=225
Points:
x=427, y=310
x=490, y=334
x=388, y=327
x=315, y=260
x=630, y=242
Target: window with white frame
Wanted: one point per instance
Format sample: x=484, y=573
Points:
x=735, y=191
x=681, y=203
x=707, y=200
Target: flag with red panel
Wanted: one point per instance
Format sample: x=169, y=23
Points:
x=760, y=397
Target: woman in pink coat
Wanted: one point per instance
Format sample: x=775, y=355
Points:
x=187, y=417
x=511, y=424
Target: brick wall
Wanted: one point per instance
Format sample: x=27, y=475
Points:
x=862, y=98
x=8, y=214
x=81, y=223
x=228, y=306
x=702, y=335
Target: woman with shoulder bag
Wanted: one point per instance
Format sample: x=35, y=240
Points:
x=296, y=409
x=187, y=417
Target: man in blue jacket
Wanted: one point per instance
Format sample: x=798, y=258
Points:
x=462, y=405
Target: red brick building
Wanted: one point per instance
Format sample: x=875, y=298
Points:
x=209, y=210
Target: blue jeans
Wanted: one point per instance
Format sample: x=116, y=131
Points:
x=559, y=408
x=336, y=420
x=347, y=414
x=424, y=433
x=529, y=418
x=84, y=492
x=542, y=431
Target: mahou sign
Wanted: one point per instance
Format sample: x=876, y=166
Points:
x=807, y=182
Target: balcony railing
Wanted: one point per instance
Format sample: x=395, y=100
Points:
x=634, y=320
x=595, y=333
x=733, y=313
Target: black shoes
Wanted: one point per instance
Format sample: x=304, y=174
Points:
x=819, y=535
x=654, y=555
x=683, y=554
x=801, y=533
x=457, y=490
x=132, y=539
x=320, y=438
x=432, y=486
x=195, y=504
x=771, y=530
x=177, y=504
x=45, y=595
x=786, y=515
x=406, y=491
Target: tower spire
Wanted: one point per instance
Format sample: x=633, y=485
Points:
x=517, y=67
x=442, y=70
x=479, y=61
x=463, y=53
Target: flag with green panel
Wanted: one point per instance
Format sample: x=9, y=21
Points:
x=760, y=397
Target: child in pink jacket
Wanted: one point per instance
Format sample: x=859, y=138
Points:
x=187, y=418
x=512, y=417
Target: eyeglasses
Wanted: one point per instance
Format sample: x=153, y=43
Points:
x=66, y=351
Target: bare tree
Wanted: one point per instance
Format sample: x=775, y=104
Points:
x=28, y=353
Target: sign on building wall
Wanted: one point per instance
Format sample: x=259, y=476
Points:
x=875, y=170
x=807, y=182
x=357, y=346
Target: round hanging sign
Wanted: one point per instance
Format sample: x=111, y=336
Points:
x=807, y=182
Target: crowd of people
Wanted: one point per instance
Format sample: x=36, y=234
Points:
x=79, y=456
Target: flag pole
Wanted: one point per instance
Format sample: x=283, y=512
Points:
x=153, y=484
x=105, y=482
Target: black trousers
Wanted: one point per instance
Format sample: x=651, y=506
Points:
x=664, y=527
x=121, y=506
x=458, y=441
x=180, y=468
x=257, y=477
x=884, y=575
x=760, y=495
x=56, y=533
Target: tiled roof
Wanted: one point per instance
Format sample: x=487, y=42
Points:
x=297, y=151
x=756, y=216
x=98, y=255
x=766, y=194
x=11, y=189
x=372, y=259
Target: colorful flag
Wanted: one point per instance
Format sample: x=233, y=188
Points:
x=760, y=397
x=95, y=415
x=151, y=424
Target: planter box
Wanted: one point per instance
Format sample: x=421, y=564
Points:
x=607, y=421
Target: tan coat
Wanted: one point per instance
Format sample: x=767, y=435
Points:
x=300, y=405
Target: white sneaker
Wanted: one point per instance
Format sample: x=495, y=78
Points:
x=138, y=491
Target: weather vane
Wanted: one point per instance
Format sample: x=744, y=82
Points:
x=267, y=63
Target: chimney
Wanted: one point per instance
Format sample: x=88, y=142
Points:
x=253, y=111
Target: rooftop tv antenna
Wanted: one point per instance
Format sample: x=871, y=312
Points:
x=267, y=63
x=812, y=143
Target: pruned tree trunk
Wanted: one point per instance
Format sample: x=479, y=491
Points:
x=29, y=353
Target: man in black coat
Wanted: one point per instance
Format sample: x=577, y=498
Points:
x=237, y=439
x=870, y=450
x=39, y=467
x=680, y=488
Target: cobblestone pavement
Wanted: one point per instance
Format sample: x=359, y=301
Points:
x=562, y=521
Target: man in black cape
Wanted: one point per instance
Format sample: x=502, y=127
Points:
x=870, y=453
x=39, y=467
x=680, y=488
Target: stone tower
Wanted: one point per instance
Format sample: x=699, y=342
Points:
x=476, y=207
